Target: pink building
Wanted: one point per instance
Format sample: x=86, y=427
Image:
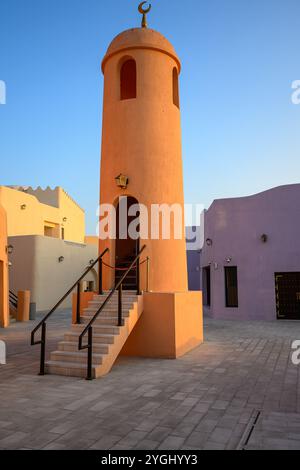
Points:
x=250, y=260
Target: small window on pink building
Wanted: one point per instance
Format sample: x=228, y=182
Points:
x=128, y=80
x=175, y=88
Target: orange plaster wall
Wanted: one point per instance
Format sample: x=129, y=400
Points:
x=23, y=306
x=142, y=139
x=170, y=326
x=85, y=298
x=4, y=303
x=189, y=322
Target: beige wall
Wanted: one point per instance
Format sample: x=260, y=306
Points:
x=43, y=208
x=36, y=267
x=75, y=224
x=4, y=306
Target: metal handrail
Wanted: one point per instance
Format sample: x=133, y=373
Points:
x=42, y=323
x=13, y=295
x=89, y=328
x=13, y=299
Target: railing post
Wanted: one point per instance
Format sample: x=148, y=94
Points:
x=90, y=355
x=78, y=320
x=120, y=319
x=148, y=273
x=138, y=277
x=43, y=350
x=100, y=277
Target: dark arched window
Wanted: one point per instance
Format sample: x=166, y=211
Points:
x=128, y=80
x=175, y=87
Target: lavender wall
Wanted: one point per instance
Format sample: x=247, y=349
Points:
x=235, y=227
x=194, y=270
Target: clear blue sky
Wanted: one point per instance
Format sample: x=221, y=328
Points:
x=240, y=129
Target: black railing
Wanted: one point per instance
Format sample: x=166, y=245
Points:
x=13, y=300
x=42, y=324
x=89, y=328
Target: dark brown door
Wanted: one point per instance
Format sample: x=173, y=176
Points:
x=287, y=287
x=126, y=247
x=231, y=287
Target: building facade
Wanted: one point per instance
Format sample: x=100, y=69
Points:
x=46, y=229
x=4, y=289
x=141, y=164
x=47, y=212
x=194, y=243
x=141, y=139
x=251, y=256
x=47, y=267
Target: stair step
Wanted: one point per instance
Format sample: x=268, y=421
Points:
x=101, y=338
x=67, y=368
x=132, y=275
x=99, y=327
x=72, y=346
x=128, y=294
x=112, y=302
x=105, y=313
x=114, y=306
x=75, y=357
x=101, y=321
x=67, y=360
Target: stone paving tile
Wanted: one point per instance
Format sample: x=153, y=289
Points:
x=197, y=439
x=159, y=433
x=172, y=443
x=221, y=435
x=147, y=444
x=203, y=400
x=13, y=441
x=105, y=442
x=213, y=446
x=183, y=430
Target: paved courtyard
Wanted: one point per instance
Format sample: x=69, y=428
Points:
x=209, y=399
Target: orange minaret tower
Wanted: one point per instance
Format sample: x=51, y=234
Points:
x=142, y=158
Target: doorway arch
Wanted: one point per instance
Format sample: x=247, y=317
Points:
x=126, y=247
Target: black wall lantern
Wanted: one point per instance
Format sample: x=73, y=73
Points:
x=264, y=238
x=9, y=249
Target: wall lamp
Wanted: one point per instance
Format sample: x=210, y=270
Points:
x=9, y=249
x=23, y=207
x=209, y=242
x=228, y=260
x=65, y=219
x=264, y=238
x=61, y=259
x=122, y=181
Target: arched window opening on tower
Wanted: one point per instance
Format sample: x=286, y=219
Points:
x=128, y=80
x=175, y=87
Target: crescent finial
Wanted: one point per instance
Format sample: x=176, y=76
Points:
x=144, y=13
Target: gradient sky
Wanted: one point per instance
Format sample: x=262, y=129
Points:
x=239, y=58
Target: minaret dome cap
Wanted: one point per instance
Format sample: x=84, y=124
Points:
x=140, y=38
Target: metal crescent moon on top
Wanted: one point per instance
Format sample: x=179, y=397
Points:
x=144, y=13
x=141, y=9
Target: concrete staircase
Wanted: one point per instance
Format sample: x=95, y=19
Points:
x=108, y=338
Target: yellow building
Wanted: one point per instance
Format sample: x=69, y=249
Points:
x=4, y=308
x=46, y=229
x=50, y=212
